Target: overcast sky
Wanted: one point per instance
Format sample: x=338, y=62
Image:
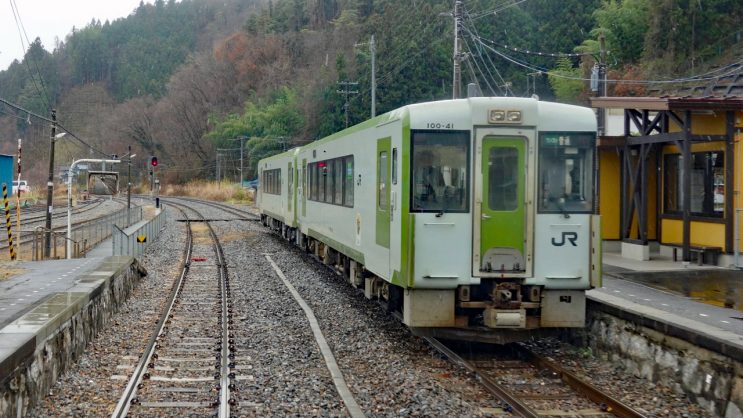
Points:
x=50, y=19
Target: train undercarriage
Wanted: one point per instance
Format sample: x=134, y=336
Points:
x=495, y=311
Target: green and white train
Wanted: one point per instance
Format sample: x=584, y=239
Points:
x=473, y=218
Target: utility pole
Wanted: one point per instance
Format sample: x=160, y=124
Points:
x=129, y=187
x=373, y=53
x=602, y=84
x=457, y=76
x=50, y=189
x=345, y=92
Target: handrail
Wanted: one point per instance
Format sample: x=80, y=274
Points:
x=126, y=244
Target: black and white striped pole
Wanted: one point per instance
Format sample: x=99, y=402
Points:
x=8, y=224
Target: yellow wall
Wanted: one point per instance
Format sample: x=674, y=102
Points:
x=708, y=233
x=609, y=186
x=702, y=233
x=713, y=124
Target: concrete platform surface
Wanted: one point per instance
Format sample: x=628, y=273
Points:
x=696, y=303
x=51, y=292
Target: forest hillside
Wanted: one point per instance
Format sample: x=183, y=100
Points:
x=184, y=80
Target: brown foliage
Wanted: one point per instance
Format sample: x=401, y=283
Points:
x=628, y=73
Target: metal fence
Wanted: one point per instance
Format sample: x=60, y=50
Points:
x=135, y=243
x=84, y=237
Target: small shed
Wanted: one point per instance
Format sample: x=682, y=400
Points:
x=6, y=172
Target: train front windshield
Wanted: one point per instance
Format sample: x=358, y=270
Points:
x=440, y=171
x=566, y=172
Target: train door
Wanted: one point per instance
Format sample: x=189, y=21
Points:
x=289, y=216
x=304, y=189
x=502, y=236
x=382, y=230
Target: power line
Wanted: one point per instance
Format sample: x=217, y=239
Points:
x=699, y=77
x=22, y=28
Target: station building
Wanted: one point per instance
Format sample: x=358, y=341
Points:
x=670, y=176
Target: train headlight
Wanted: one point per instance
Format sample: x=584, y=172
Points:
x=497, y=116
x=514, y=116
x=504, y=116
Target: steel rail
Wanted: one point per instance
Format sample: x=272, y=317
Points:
x=222, y=206
x=224, y=387
x=607, y=402
x=491, y=385
x=122, y=408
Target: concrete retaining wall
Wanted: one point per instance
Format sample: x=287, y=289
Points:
x=28, y=374
x=711, y=379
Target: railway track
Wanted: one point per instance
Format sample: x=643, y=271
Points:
x=31, y=222
x=529, y=385
x=243, y=214
x=37, y=213
x=186, y=368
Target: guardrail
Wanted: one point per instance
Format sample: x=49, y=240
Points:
x=86, y=236
x=135, y=243
x=56, y=238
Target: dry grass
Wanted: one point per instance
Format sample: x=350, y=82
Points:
x=210, y=190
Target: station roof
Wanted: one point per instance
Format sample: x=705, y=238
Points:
x=669, y=103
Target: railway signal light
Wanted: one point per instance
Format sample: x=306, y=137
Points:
x=153, y=161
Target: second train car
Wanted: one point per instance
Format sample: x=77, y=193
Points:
x=473, y=218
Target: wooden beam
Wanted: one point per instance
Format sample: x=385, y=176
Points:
x=729, y=180
x=686, y=173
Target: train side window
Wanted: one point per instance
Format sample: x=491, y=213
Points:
x=321, y=175
x=348, y=187
x=329, y=181
x=338, y=181
x=313, y=181
x=382, y=180
x=394, y=165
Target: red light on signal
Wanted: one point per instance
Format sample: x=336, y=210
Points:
x=321, y=164
x=153, y=161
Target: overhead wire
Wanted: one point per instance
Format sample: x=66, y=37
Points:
x=497, y=9
x=492, y=65
x=22, y=32
x=699, y=77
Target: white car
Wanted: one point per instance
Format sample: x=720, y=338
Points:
x=23, y=185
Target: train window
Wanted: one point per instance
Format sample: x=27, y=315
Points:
x=440, y=171
x=503, y=178
x=322, y=173
x=348, y=187
x=328, y=174
x=566, y=170
x=315, y=186
x=271, y=181
x=382, y=171
x=338, y=181
x=394, y=165
x=331, y=181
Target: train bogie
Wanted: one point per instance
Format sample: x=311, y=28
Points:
x=468, y=215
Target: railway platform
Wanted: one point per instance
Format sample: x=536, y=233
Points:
x=49, y=310
x=698, y=304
